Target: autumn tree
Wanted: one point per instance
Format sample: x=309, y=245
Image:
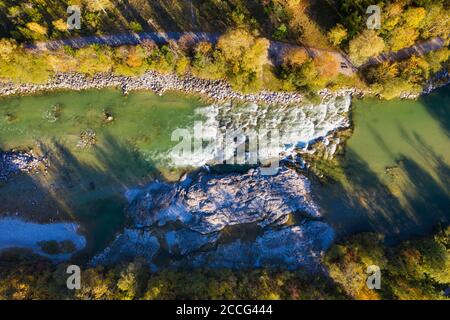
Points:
x=7, y=48
x=365, y=45
x=59, y=61
x=96, y=285
x=347, y=264
x=337, y=35
x=436, y=23
x=415, y=70
x=295, y=56
x=135, y=57
x=94, y=59
x=326, y=65
x=407, y=31
x=37, y=31
x=98, y=5
x=436, y=59
x=60, y=25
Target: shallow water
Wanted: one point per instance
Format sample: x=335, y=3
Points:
x=87, y=184
x=16, y=233
x=141, y=120
x=396, y=168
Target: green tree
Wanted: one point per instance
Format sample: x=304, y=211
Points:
x=245, y=56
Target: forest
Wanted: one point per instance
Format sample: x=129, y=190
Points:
x=415, y=269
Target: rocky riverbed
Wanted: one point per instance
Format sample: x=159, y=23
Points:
x=14, y=162
x=188, y=220
x=214, y=89
x=218, y=90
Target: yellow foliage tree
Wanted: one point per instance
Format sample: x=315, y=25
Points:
x=295, y=56
x=60, y=25
x=413, y=17
x=7, y=49
x=98, y=5
x=326, y=65
x=92, y=60
x=135, y=57
x=245, y=57
x=37, y=30
x=364, y=46
x=436, y=23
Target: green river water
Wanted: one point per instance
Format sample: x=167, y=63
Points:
x=395, y=172
x=396, y=169
x=87, y=184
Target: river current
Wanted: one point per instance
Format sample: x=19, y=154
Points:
x=395, y=163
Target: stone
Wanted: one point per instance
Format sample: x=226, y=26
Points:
x=211, y=202
x=14, y=162
x=127, y=246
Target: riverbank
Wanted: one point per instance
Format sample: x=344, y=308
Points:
x=215, y=90
x=88, y=182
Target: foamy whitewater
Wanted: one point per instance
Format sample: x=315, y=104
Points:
x=227, y=127
x=204, y=204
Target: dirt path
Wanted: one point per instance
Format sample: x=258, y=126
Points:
x=418, y=49
x=124, y=39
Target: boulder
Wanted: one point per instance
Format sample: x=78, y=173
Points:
x=292, y=247
x=210, y=202
x=186, y=241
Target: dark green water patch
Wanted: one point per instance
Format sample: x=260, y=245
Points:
x=396, y=169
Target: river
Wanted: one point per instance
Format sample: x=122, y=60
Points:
x=394, y=176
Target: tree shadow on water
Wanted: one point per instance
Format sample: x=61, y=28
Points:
x=407, y=201
x=86, y=186
x=438, y=105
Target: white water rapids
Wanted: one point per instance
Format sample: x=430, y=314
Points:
x=227, y=127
